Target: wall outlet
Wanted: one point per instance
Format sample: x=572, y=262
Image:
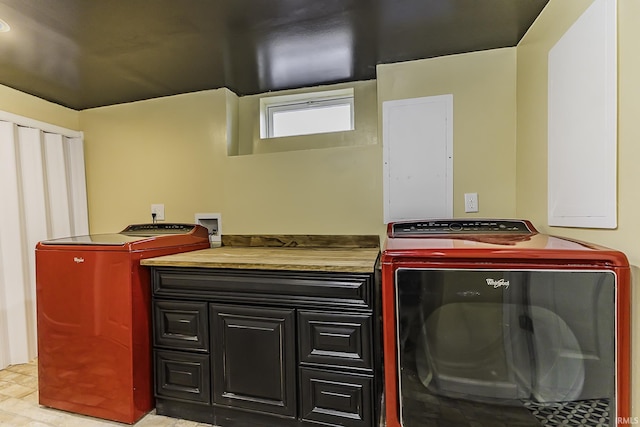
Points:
x=157, y=209
x=471, y=202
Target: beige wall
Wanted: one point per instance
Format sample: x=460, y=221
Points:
x=165, y=150
x=532, y=137
x=22, y=104
x=483, y=85
x=173, y=150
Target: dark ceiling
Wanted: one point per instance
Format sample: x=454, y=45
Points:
x=90, y=53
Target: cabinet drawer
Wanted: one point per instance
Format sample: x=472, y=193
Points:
x=336, y=399
x=335, y=339
x=181, y=325
x=182, y=376
x=302, y=289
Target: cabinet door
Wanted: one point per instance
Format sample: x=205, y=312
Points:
x=254, y=363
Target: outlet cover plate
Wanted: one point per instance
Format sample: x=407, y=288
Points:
x=471, y=202
x=158, y=209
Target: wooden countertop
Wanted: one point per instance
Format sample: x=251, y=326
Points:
x=354, y=260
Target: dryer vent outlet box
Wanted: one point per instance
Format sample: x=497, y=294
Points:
x=213, y=223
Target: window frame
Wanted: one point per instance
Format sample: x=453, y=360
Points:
x=301, y=102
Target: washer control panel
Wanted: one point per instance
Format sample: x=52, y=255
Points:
x=156, y=228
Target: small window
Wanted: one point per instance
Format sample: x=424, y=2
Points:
x=308, y=113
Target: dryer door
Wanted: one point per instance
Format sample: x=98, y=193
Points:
x=473, y=339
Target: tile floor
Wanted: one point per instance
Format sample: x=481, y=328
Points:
x=19, y=405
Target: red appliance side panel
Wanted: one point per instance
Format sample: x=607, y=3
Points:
x=84, y=332
x=623, y=343
x=141, y=350
x=391, y=398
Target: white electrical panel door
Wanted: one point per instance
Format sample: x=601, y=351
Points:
x=418, y=158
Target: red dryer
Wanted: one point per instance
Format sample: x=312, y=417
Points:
x=94, y=322
x=490, y=323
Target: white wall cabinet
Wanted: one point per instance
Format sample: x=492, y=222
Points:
x=582, y=141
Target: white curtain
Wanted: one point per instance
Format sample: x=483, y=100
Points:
x=42, y=196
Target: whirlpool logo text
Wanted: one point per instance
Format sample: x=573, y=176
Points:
x=500, y=283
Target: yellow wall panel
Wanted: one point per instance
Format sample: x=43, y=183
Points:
x=483, y=85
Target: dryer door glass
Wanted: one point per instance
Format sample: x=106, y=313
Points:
x=488, y=347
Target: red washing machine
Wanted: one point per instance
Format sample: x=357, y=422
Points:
x=94, y=321
x=489, y=323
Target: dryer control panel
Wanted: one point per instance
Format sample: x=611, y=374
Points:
x=457, y=226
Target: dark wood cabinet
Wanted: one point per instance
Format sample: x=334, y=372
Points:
x=259, y=348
